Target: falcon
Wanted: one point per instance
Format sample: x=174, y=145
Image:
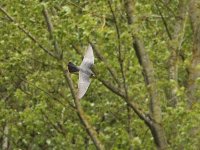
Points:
x=84, y=71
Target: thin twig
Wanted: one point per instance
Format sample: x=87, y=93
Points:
x=167, y=7
x=121, y=60
x=50, y=29
x=117, y=29
x=164, y=21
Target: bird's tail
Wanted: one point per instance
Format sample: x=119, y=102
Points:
x=72, y=68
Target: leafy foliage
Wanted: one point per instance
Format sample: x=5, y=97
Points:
x=36, y=104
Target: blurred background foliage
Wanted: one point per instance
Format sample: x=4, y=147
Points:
x=36, y=104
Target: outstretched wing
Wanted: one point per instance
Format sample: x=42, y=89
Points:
x=83, y=84
x=88, y=59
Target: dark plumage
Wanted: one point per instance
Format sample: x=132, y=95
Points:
x=72, y=68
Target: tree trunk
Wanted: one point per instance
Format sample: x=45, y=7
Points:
x=148, y=72
x=194, y=69
x=156, y=128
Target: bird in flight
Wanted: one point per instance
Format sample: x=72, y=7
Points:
x=84, y=70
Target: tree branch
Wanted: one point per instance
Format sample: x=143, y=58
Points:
x=82, y=116
x=148, y=72
x=121, y=94
x=164, y=21
x=102, y=58
x=50, y=29
x=120, y=59
x=90, y=130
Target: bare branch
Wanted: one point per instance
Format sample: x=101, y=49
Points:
x=148, y=72
x=90, y=130
x=129, y=10
x=50, y=29
x=117, y=30
x=120, y=58
x=164, y=21
x=164, y=5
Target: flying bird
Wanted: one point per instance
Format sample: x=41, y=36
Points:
x=84, y=70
